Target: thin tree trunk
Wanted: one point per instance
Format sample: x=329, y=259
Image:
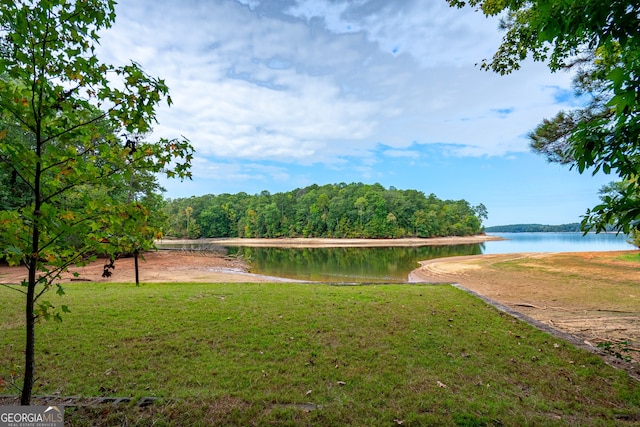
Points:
x=29, y=351
x=30, y=345
x=135, y=263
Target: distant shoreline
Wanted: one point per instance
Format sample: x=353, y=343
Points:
x=313, y=242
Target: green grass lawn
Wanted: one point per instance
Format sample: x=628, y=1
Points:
x=253, y=354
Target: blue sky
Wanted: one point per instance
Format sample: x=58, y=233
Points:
x=280, y=94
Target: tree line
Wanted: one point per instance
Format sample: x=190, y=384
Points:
x=341, y=210
x=534, y=228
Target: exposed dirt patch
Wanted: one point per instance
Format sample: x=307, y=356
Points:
x=594, y=296
x=161, y=266
x=212, y=266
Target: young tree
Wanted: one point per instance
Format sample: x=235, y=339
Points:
x=602, y=42
x=61, y=111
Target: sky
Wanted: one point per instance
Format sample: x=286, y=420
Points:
x=280, y=94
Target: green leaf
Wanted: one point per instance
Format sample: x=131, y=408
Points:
x=617, y=76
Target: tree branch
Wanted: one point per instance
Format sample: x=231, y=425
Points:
x=79, y=125
x=11, y=286
x=13, y=167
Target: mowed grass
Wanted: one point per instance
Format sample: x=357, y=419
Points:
x=257, y=354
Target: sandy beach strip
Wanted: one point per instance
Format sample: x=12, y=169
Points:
x=312, y=242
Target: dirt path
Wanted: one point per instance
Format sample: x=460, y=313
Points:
x=594, y=296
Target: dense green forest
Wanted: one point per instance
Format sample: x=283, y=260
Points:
x=534, y=228
x=334, y=210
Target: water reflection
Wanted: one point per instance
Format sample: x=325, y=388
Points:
x=346, y=264
x=393, y=264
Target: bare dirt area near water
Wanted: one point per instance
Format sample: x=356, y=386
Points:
x=211, y=266
x=161, y=266
x=594, y=296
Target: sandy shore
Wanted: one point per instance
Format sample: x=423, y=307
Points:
x=331, y=243
x=157, y=267
x=194, y=266
x=165, y=266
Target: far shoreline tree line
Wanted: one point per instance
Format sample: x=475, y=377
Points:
x=341, y=210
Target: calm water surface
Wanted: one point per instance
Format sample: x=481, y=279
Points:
x=394, y=264
x=557, y=242
x=360, y=265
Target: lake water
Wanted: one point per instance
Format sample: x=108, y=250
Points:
x=362, y=265
x=557, y=242
x=393, y=264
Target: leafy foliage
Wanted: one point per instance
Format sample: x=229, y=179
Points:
x=601, y=42
x=334, y=210
x=619, y=207
x=71, y=181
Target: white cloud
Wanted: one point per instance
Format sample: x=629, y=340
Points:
x=219, y=171
x=401, y=153
x=431, y=32
x=318, y=81
x=330, y=12
x=252, y=4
